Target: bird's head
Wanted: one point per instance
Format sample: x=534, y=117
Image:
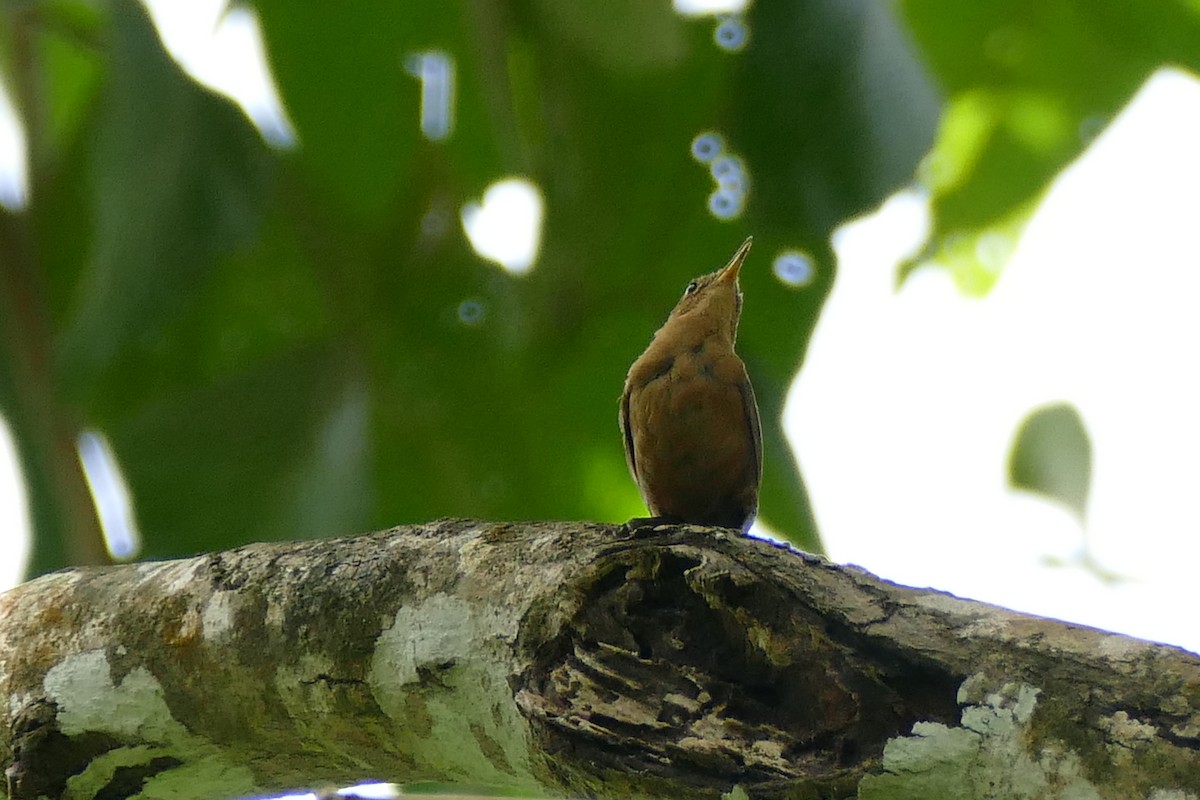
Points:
x=714, y=300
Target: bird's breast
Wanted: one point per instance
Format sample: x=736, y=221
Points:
x=693, y=441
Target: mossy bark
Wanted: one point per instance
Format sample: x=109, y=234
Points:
x=571, y=658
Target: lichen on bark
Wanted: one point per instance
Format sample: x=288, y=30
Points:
x=569, y=658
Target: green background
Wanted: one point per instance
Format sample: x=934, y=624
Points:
x=270, y=338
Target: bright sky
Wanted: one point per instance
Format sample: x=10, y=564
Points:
x=906, y=408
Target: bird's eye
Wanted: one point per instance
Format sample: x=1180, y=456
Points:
x=691, y=287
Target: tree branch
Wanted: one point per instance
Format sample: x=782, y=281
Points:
x=569, y=657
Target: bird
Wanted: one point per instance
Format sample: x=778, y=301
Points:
x=688, y=412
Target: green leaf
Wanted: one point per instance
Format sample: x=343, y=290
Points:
x=341, y=72
x=835, y=111
x=1052, y=456
x=253, y=457
x=1028, y=85
x=178, y=176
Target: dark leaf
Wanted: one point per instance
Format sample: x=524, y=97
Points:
x=1052, y=456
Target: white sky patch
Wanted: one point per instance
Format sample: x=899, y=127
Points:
x=14, y=172
x=435, y=70
x=224, y=51
x=700, y=8
x=506, y=227
x=373, y=791
x=906, y=408
x=114, y=506
x=14, y=513
x=366, y=791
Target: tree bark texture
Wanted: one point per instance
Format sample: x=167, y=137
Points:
x=573, y=658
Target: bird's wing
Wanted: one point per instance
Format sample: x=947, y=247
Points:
x=627, y=433
x=750, y=409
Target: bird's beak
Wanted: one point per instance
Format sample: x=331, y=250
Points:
x=730, y=273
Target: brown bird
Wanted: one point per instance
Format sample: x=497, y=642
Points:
x=688, y=413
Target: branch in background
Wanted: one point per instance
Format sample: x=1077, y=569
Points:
x=66, y=528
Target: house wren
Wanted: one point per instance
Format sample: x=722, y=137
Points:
x=692, y=438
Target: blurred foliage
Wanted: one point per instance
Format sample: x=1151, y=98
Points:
x=1028, y=84
x=270, y=338
x=1051, y=456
